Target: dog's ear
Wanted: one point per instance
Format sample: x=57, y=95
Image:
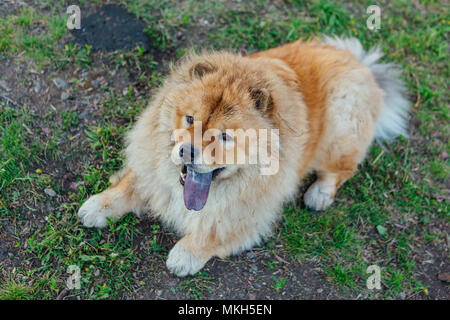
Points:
x=262, y=99
x=200, y=69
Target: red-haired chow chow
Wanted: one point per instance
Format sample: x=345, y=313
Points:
x=320, y=102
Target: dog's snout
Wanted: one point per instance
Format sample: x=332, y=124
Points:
x=188, y=153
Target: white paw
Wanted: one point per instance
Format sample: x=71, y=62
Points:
x=93, y=214
x=319, y=196
x=182, y=263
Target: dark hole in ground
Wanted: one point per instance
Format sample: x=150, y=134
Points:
x=111, y=28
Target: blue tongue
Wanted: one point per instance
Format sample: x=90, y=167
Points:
x=196, y=189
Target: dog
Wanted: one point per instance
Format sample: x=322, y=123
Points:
x=324, y=100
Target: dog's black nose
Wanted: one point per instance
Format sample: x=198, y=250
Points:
x=187, y=153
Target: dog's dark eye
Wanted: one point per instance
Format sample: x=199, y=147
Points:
x=190, y=120
x=225, y=137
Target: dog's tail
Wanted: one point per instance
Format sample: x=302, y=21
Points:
x=393, y=120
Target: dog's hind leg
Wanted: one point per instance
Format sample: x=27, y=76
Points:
x=352, y=111
x=113, y=203
x=321, y=193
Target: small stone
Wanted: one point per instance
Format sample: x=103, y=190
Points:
x=46, y=130
x=444, y=277
x=60, y=83
x=97, y=273
x=250, y=255
x=50, y=192
x=84, y=75
x=96, y=83
x=319, y=290
x=37, y=87
x=443, y=156
x=4, y=85
x=84, y=115
x=65, y=96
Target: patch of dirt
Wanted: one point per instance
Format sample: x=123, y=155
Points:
x=8, y=7
x=111, y=28
x=433, y=265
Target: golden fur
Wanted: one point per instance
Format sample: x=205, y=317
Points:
x=323, y=100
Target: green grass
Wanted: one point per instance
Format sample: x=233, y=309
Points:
x=279, y=283
x=195, y=287
x=18, y=153
x=12, y=290
x=385, y=215
x=38, y=37
x=102, y=255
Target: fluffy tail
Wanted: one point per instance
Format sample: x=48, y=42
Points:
x=394, y=114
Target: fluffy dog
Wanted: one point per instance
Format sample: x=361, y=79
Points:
x=326, y=100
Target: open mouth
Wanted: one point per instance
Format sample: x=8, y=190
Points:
x=196, y=186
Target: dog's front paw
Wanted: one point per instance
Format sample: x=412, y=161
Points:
x=182, y=263
x=93, y=213
x=319, y=196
